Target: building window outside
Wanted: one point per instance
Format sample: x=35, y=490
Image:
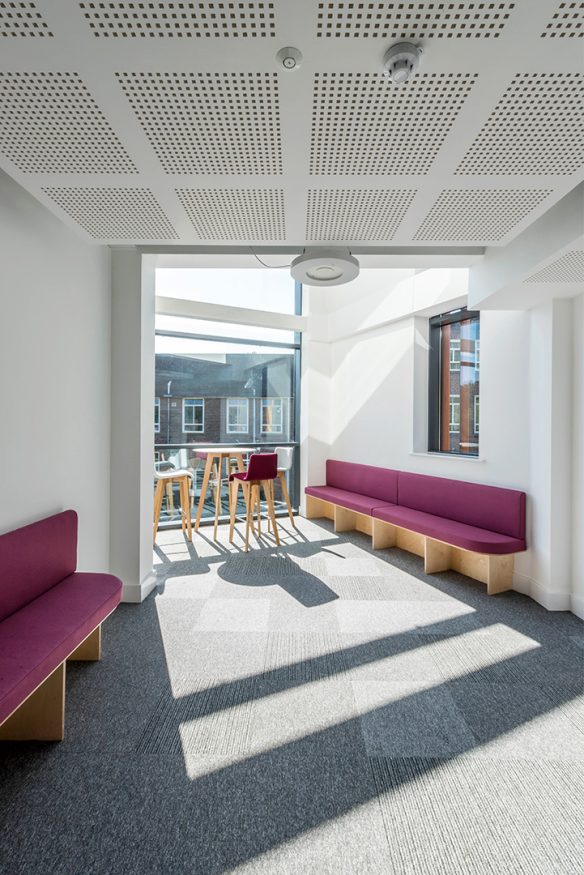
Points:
x=157, y=414
x=193, y=415
x=454, y=355
x=237, y=415
x=272, y=415
x=453, y=386
x=454, y=414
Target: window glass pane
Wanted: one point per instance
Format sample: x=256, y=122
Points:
x=255, y=289
x=454, y=383
x=222, y=329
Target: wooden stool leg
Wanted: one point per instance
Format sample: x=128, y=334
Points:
x=249, y=513
x=282, y=477
x=204, y=485
x=233, y=495
x=217, y=504
x=271, y=513
x=158, y=496
x=185, y=506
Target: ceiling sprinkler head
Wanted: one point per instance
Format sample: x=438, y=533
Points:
x=401, y=61
x=289, y=58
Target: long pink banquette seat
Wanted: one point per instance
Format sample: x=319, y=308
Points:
x=451, y=518
x=49, y=612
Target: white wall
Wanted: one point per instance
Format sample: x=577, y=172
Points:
x=378, y=409
x=54, y=373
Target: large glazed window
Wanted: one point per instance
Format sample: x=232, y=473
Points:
x=454, y=383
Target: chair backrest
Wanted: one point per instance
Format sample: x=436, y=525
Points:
x=285, y=457
x=262, y=466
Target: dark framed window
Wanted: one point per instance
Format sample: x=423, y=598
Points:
x=454, y=383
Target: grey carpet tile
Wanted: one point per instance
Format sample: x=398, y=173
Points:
x=396, y=586
x=201, y=718
x=233, y=615
x=301, y=657
x=208, y=655
x=407, y=719
x=516, y=721
x=445, y=816
x=406, y=657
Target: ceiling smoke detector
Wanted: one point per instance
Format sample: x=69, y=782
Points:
x=401, y=61
x=289, y=58
x=325, y=267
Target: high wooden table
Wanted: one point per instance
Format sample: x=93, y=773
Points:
x=217, y=455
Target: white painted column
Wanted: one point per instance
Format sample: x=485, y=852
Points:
x=577, y=599
x=550, y=436
x=132, y=431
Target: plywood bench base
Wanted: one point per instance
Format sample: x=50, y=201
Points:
x=41, y=717
x=495, y=571
x=89, y=650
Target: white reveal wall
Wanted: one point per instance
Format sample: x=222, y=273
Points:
x=54, y=373
x=376, y=332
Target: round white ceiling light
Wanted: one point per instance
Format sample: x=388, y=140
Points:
x=325, y=267
x=289, y=58
x=401, y=61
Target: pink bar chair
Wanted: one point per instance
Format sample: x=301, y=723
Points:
x=261, y=473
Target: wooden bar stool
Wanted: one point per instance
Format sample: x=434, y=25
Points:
x=261, y=473
x=285, y=459
x=165, y=479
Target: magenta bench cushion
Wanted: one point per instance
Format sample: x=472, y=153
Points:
x=34, y=558
x=486, y=507
x=35, y=640
x=366, y=480
x=351, y=500
x=452, y=532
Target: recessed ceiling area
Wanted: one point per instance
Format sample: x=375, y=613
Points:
x=171, y=123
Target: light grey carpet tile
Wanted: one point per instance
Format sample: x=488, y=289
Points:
x=301, y=657
x=267, y=566
x=459, y=817
x=515, y=721
x=402, y=719
x=233, y=615
x=187, y=586
x=290, y=615
x=201, y=718
x=397, y=617
x=396, y=586
x=406, y=657
x=224, y=655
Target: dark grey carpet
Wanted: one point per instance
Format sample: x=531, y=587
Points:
x=313, y=709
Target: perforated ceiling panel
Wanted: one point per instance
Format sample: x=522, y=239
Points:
x=567, y=269
x=567, y=21
x=478, y=214
x=115, y=213
x=22, y=19
x=235, y=214
x=49, y=123
x=412, y=20
x=355, y=214
x=536, y=128
x=209, y=122
x=125, y=19
x=362, y=124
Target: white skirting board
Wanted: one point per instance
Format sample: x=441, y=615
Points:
x=135, y=593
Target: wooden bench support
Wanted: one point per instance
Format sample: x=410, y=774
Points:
x=316, y=507
x=90, y=649
x=384, y=535
x=436, y=556
x=499, y=574
x=41, y=717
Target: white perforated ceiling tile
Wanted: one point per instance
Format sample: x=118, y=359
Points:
x=412, y=20
x=22, y=19
x=115, y=213
x=209, y=123
x=362, y=124
x=567, y=269
x=478, y=214
x=49, y=123
x=536, y=128
x=355, y=214
x=568, y=20
x=174, y=19
x=235, y=214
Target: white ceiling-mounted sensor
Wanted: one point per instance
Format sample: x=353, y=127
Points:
x=325, y=267
x=401, y=61
x=289, y=58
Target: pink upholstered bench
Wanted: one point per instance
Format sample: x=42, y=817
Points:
x=49, y=613
x=469, y=527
